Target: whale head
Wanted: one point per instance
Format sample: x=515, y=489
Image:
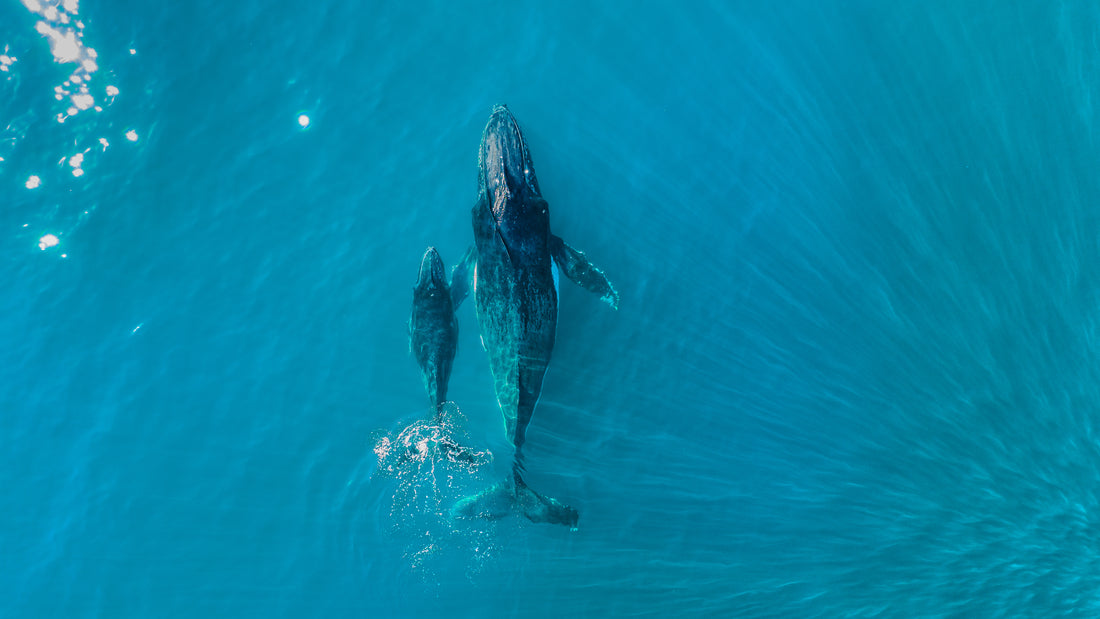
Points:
x=433, y=277
x=505, y=163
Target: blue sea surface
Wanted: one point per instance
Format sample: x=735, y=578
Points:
x=854, y=372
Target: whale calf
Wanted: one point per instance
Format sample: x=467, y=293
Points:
x=433, y=326
x=433, y=339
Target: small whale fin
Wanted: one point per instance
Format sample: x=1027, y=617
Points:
x=461, y=454
x=462, y=275
x=582, y=272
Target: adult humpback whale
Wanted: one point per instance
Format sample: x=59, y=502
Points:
x=515, y=291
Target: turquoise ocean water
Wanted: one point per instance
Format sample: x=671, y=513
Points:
x=854, y=372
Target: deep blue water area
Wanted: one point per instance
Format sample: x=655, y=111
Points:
x=854, y=371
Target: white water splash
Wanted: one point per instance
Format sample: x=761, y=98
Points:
x=6, y=61
x=433, y=468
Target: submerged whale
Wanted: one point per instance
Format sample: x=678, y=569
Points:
x=433, y=326
x=433, y=341
x=515, y=282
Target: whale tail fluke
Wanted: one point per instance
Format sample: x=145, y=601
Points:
x=492, y=503
x=448, y=425
x=429, y=441
x=461, y=454
x=502, y=499
x=540, y=508
x=429, y=446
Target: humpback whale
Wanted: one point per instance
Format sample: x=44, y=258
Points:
x=515, y=282
x=433, y=338
x=433, y=326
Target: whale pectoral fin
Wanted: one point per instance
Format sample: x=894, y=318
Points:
x=576, y=267
x=462, y=277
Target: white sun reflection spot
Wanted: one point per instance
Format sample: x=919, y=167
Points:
x=132, y=135
x=33, y=182
x=83, y=101
x=65, y=36
x=76, y=161
x=303, y=121
x=63, y=45
x=47, y=241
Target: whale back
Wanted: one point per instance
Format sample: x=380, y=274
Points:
x=516, y=301
x=433, y=332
